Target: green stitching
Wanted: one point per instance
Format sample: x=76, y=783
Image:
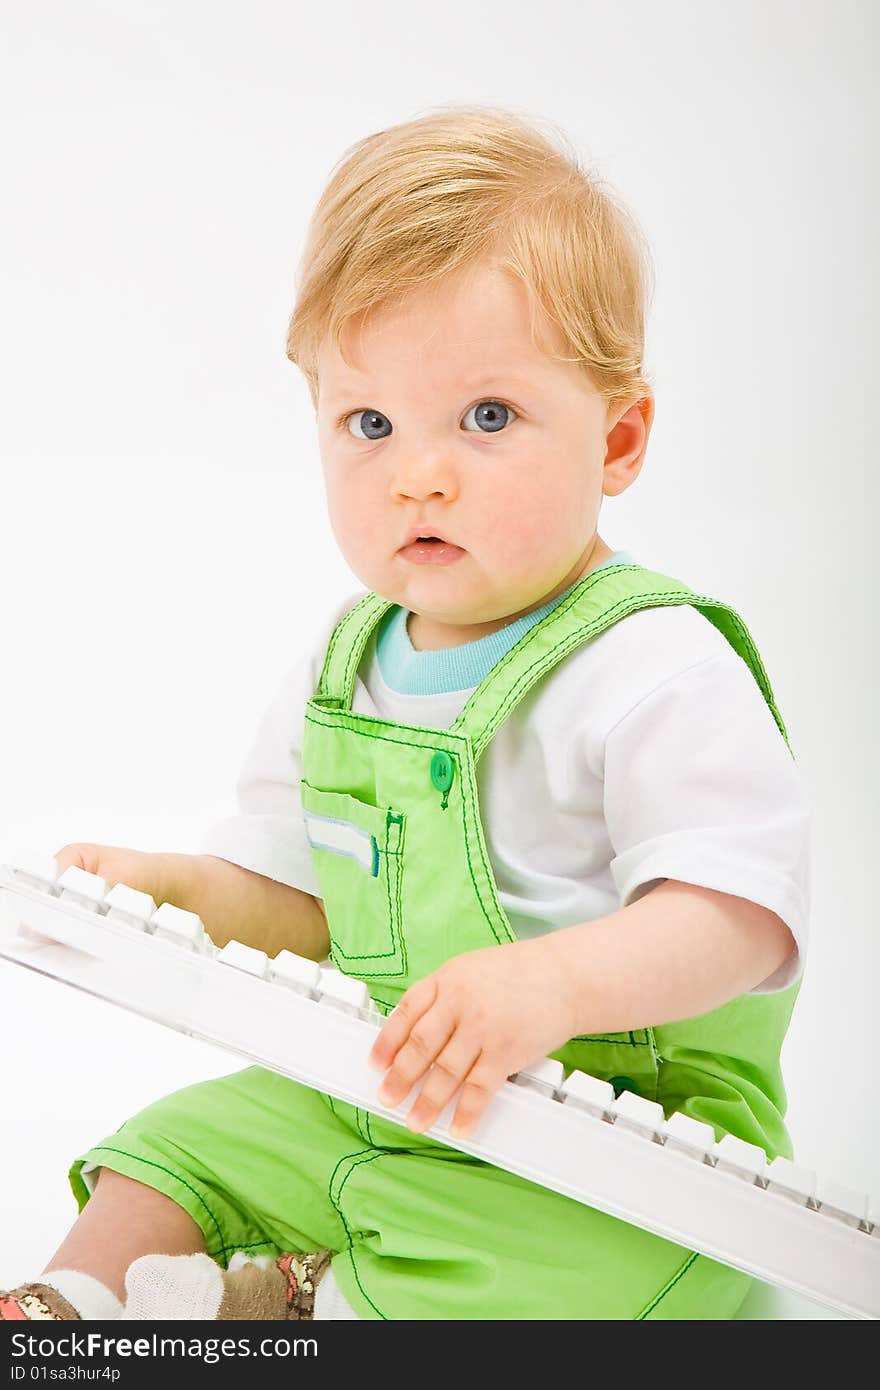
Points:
x=533, y=632
x=352, y=618
x=351, y=1259
x=404, y=743
x=361, y=637
x=398, y=945
x=632, y=602
x=350, y=719
x=357, y=651
x=474, y=800
x=398, y=880
x=355, y=647
x=665, y=1290
x=610, y=1038
x=356, y=1160
x=344, y=1158
x=343, y=624
x=552, y=658
x=323, y=685
x=390, y=905
x=543, y=663
x=371, y=620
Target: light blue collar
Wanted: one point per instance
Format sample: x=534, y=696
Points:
x=453, y=668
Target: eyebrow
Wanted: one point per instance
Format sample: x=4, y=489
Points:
x=501, y=377
x=484, y=382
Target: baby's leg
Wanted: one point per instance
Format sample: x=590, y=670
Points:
x=85, y=1278
x=122, y=1220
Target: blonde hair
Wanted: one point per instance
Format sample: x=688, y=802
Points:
x=407, y=206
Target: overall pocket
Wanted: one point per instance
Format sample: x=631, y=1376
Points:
x=357, y=850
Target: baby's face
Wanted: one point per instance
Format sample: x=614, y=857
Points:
x=451, y=423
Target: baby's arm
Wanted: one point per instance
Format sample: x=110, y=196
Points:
x=238, y=904
x=234, y=903
x=677, y=952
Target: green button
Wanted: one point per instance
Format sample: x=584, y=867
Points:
x=623, y=1083
x=442, y=771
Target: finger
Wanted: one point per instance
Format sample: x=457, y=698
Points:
x=396, y=1028
x=73, y=854
x=449, y=1070
x=478, y=1089
x=427, y=1039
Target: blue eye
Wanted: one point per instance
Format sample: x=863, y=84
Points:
x=372, y=422
x=490, y=416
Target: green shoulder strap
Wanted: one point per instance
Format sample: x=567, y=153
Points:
x=345, y=649
x=599, y=600
x=602, y=598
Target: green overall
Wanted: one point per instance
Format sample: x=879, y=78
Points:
x=420, y=1229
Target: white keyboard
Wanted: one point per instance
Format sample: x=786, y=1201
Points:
x=775, y=1220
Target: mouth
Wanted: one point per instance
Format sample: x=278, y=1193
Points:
x=427, y=547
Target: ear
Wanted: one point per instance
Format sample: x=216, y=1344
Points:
x=626, y=442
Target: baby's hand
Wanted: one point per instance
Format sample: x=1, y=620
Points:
x=146, y=872
x=476, y=1020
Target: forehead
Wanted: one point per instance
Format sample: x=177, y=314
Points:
x=477, y=320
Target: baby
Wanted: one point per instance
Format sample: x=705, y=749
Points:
x=587, y=835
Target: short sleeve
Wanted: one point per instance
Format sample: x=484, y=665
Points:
x=700, y=786
x=268, y=834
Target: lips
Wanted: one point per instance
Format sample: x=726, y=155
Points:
x=425, y=548
x=414, y=537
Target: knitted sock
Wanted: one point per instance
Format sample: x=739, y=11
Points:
x=330, y=1301
x=62, y=1295
x=194, y=1287
x=160, y=1288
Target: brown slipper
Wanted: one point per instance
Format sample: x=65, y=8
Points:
x=39, y=1302
x=282, y=1290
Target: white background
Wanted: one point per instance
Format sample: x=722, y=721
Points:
x=165, y=543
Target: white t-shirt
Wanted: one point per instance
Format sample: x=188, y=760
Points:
x=648, y=753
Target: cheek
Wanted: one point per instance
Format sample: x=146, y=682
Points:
x=352, y=504
x=530, y=510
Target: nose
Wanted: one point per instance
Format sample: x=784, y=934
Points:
x=424, y=473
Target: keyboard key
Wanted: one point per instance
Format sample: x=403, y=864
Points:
x=36, y=870
x=689, y=1136
x=246, y=958
x=295, y=972
x=129, y=907
x=84, y=889
x=588, y=1093
x=843, y=1203
x=183, y=928
x=545, y=1076
x=790, y=1180
x=342, y=992
x=733, y=1155
x=638, y=1114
